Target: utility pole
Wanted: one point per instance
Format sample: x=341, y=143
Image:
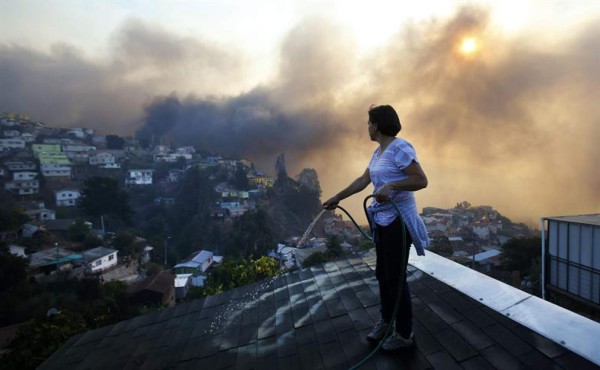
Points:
x=57, y=258
x=166, y=247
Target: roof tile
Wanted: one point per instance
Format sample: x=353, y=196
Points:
x=315, y=318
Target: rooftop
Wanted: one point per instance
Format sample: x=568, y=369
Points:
x=98, y=252
x=593, y=219
x=52, y=256
x=318, y=318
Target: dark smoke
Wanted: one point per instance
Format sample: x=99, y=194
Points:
x=515, y=126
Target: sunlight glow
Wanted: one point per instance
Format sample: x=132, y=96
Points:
x=468, y=45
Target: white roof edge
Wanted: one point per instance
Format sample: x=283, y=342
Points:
x=568, y=329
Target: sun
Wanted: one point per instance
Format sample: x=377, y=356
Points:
x=468, y=45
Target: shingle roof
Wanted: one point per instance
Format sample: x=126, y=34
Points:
x=314, y=318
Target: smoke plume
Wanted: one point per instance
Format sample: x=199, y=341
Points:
x=515, y=125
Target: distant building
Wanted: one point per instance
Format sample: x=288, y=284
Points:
x=154, y=291
x=11, y=143
x=67, y=197
x=486, y=261
x=23, y=187
x=20, y=166
x=41, y=214
x=100, y=259
x=182, y=285
x=101, y=158
x=139, y=177
x=51, y=259
x=571, y=260
x=55, y=170
x=24, y=175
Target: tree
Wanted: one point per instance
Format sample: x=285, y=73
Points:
x=101, y=196
x=251, y=234
x=12, y=271
x=78, y=231
x=519, y=254
x=441, y=246
x=114, y=142
x=334, y=249
x=123, y=242
x=11, y=219
x=234, y=273
x=39, y=338
x=239, y=179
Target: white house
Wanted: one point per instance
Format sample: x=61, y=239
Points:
x=80, y=132
x=55, y=170
x=101, y=158
x=11, y=133
x=24, y=175
x=23, y=187
x=17, y=250
x=41, y=214
x=110, y=165
x=100, y=258
x=78, y=148
x=182, y=285
x=139, y=177
x=20, y=166
x=176, y=175
x=28, y=137
x=11, y=143
x=67, y=197
x=204, y=258
x=482, y=231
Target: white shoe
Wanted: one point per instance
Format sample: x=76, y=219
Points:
x=396, y=341
x=378, y=331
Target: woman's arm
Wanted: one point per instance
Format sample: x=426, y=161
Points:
x=416, y=180
x=356, y=186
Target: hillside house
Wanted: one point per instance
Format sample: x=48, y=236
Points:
x=52, y=259
x=176, y=175
x=486, y=261
x=482, y=230
x=11, y=133
x=260, y=181
x=99, y=259
x=20, y=166
x=28, y=137
x=55, y=170
x=182, y=285
x=41, y=214
x=23, y=187
x=198, y=264
x=67, y=197
x=7, y=144
x=24, y=175
x=139, y=177
x=154, y=291
x=101, y=158
x=45, y=148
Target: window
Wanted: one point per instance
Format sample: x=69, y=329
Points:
x=98, y=263
x=111, y=257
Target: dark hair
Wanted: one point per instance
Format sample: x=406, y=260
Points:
x=386, y=119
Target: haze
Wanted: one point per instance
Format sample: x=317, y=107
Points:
x=510, y=119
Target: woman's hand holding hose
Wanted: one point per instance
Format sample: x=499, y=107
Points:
x=331, y=203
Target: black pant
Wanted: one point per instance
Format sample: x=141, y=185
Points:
x=388, y=271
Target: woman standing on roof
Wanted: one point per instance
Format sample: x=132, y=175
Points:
x=396, y=173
